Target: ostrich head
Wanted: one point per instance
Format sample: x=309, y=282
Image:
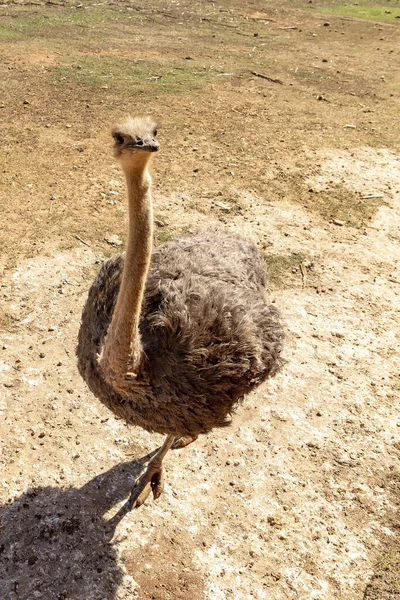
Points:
x=135, y=140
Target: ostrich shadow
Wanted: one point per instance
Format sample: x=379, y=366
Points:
x=55, y=543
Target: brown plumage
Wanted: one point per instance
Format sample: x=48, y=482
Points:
x=204, y=335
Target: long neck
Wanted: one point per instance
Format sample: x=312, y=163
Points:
x=122, y=349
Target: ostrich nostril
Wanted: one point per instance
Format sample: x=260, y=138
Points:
x=139, y=142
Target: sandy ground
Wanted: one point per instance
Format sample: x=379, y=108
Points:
x=297, y=499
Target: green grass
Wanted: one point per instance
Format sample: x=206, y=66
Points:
x=162, y=236
x=280, y=267
x=385, y=582
x=361, y=10
x=314, y=76
x=344, y=205
x=337, y=202
x=51, y=22
x=130, y=74
x=387, y=561
x=8, y=33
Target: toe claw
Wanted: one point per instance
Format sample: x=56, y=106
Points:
x=157, y=484
x=139, y=495
x=152, y=479
x=144, y=485
x=183, y=441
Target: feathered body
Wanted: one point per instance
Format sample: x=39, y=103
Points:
x=207, y=334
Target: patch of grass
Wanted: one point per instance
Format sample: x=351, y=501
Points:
x=394, y=476
x=385, y=581
x=127, y=73
x=163, y=235
x=314, y=76
x=282, y=267
x=387, y=560
x=50, y=21
x=362, y=10
x=8, y=33
x=344, y=205
x=7, y=322
x=337, y=202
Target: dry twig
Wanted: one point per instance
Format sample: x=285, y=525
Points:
x=303, y=274
x=267, y=78
x=81, y=240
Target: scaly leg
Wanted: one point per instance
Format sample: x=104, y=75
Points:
x=152, y=479
x=183, y=441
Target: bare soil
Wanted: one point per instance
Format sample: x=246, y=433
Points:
x=279, y=121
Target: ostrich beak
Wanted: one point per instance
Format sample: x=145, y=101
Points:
x=146, y=144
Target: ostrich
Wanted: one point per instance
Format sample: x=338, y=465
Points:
x=171, y=339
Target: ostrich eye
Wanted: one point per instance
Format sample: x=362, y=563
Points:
x=154, y=132
x=118, y=138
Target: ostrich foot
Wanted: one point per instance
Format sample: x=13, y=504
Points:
x=152, y=479
x=183, y=441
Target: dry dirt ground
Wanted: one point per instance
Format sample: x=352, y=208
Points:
x=280, y=120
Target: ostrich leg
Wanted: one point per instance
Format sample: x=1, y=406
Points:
x=152, y=479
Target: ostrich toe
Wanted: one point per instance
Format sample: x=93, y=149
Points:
x=152, y=480
x=183, y=441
